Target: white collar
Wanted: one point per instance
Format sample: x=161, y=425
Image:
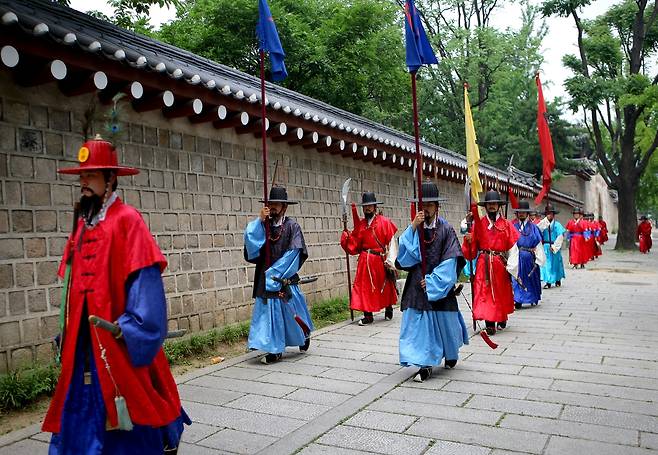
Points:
x=433, y=224
x=280, y=222
x=100, y=216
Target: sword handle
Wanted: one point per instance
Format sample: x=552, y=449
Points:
x=114, y=329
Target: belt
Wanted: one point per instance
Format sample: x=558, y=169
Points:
x=547, y=243
x=529, y=250
x=375, y=252
x=492, y=252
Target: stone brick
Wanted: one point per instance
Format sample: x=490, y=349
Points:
x=7, y=138
x=148, y=200
x=157, y=179
x=16, y=302
x=37, y=194
x=30, y=141
x=45, y=353
x=60, y=120
x=38, y=116
x=21, y=357
x=136, y=133
x=4, y=221
x=16, y=112
x=24, y=275
x=30, y=330
x=195, y=324
x=9, y=334
x=150, y=136
x=162, y=201
x=21, y=166
x=11, y=248
x=46, y=220
x=45, y=169
x=62, y=195
x=49, y=327
x=21, y=221
x=6, y=276
x=4, y=368
x=47, y=272
x=54, y=144
x=56, y=245
x=36, y=301
x=194, y=281
x=13, y=194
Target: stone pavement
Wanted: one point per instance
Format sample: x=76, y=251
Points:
x=577, y=374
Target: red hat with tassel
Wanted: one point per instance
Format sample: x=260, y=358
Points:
x=98, y=155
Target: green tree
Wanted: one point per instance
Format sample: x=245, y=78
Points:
x=129, y=14
x=348, y=54
x=612, y=86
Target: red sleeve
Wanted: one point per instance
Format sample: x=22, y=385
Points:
x=350, y=242
x=469, y=249
x=140, y=247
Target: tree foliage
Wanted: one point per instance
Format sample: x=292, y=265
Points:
x=613, y=86
x=348, y=54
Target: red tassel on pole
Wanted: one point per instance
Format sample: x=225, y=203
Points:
x=489, y=341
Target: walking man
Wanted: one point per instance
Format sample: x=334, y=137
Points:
x=644, y=234
x=373, y=239
x=432, y=327
x=552, y=272
x=494, y=238
x=531, y=258
x=577, y=227
x=280, y=317
x=115, y=392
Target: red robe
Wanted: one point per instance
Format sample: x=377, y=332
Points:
x=494, y=297
x=594, y=247
x=578, y=252
x=603, y=235
x=644, y=236
x=102, y=261
x=371, y=290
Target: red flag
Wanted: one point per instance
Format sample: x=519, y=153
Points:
x=545, y=143
x=512, y=198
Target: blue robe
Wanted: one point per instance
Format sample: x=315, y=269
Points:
x=428, y=335
x=144, y=326
x=553, y=270
x=529, y=274
x=273, y=324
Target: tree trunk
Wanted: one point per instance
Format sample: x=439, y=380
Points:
x=627, y=216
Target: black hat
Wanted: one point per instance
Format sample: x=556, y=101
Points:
x=524, y=206
x=493, y=197
x=279, y=194
x=369, y=198
x=430, y=193
x=577, y=210
x=644, y=217
x=550, y=209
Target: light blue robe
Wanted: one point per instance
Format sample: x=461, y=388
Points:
x=553, y=270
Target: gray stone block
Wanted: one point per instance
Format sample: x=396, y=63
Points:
x=610, y=418
x=237, y=441
x=513, y=406
x=25, y=447
x=285, y=407
x=258, y=388
x=569, y=446
x=331, y=385
x=487, y=436
x=436, y=411
x=207, y=395
x=348, y=364
x=490, y=389
x=456, y=448
x=319, y=449
x=239, y=372
x=407, y=393
x=594, y=401
x=381, y=421
x=198, y=431
x=374, y=441
x=352, y=375
x=318, y=397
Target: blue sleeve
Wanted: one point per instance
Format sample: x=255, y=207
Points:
x=441, y=280
x=254, y=238
x=285, y=267
x=409, y=252
x=144, y=323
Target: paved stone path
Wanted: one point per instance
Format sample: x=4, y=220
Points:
x=577, y=374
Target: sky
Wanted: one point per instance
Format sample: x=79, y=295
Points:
x=560, y=40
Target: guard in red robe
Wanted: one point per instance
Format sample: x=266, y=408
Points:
x=594, y=230
x=644, y=234
x=373, y=239
x=577, y=231
x=494, y=239
x=115, y=394
x=603, y=233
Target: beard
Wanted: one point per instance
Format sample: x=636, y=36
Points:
x=368, y=215
x=90, y=206
x=429, y=217
x=492, y=215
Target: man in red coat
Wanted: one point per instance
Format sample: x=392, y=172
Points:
x=594, y=229
x=115, y=393
x=644, y=234
x=603, y=234
x=494, y=238
x=373, y=239
x=578, y=230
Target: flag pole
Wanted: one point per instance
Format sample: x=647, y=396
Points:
x=419, y=171
x=264, y=138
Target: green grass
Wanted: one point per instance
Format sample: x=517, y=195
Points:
x=19, y=389
x=330, y=312
x=180, y=351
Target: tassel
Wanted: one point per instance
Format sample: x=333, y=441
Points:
x=413, y=211
x=125, y=423
x=489, y=341
x=355, y=215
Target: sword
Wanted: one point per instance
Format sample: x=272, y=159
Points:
x=343, y=200
x=115, y=330
x=509, y=181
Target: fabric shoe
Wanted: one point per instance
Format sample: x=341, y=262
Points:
x=502, y=325
x=270, y=358
x=306, y=345
x=548, y=285
x=558, y=283
x=388, y=314
x=423, y=374
x=450, y=363
x=366, y=320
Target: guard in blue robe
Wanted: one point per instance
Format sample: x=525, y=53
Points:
x=432, y=328
x=531, y=258
x=552, y=272
x=280, y=316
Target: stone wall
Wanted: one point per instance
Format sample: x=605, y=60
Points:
x=595, y=196
x=197, y=190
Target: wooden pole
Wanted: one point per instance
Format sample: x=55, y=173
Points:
x=264, y=142
x=419, y=173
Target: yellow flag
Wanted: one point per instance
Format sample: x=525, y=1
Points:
x=472, y=150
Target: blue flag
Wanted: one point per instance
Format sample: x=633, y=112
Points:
x=419, y=51
x=268, y=40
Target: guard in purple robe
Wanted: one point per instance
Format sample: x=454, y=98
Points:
x=280, y=316
x=531, y=258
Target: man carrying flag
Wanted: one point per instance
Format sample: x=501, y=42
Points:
x=545, y=143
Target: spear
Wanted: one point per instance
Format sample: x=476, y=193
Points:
x=344, y=193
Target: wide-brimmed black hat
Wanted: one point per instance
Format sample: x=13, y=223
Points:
x=524, y=206
x=430, y=193
x=369, y=198
x=550, y=209
x=492, y=196
x=577, y=210
x=644, y=217
x=279, y=194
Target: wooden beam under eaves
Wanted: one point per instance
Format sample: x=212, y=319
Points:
x=232, y=120
x=82, y=82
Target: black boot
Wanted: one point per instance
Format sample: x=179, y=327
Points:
x=388, y=314
x=306, y=344
x=491, y=327
x=518, y=305
x=423, y=373
x=558, y=283
x=547, y=286
x=450, y=363
x=366, y=319
x=502, y=325
x=270, y=358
